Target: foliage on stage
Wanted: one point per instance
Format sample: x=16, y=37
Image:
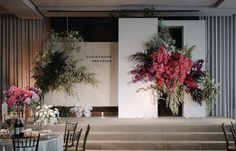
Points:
x=64, y=111
x=171, y=71
x=210, y=93
x=55, y=68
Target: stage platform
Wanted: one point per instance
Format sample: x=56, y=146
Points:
x=163, y=133
x=148, y=121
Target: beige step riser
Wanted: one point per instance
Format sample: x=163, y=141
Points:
x=155, y=150
x=149, y=128
x=155, y=146
x=156, y=137
x=175, y=128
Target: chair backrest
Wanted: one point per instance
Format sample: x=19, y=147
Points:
x=31, y=142
x=77, y=138
x=233, y=134
x=85, y=137
x=233, y=126
x=225, y=135
x=70, y=128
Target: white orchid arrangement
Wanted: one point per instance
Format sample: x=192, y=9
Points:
x=47, y=115
x=81, y=110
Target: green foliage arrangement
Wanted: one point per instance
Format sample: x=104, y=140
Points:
x=210, y=93
x=150, y=12
x=64, y=111
x=55, y=68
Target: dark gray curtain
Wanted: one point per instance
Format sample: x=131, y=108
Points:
x=20, y=40
x=221, y=56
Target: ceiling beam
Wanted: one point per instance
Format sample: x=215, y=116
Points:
x=113, y=8
x=219, y=2
x=23, y=9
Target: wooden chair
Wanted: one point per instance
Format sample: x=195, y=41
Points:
x=69, y=133
x=82, y=148
x=25, y=143
x=77, y=138
x=228, y=146
x=233, y=126
x=234, y=135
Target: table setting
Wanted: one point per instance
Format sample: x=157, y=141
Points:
x=49, y=140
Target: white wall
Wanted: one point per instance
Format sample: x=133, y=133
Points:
x=193, y=34
x=105, y=94
x=133, y=33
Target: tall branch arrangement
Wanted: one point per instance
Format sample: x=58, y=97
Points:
x=55, y=68
x=172, y=71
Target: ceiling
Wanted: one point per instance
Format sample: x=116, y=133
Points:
x=29, y=9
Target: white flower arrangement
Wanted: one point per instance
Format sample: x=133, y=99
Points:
x=81, y=110
x=46, y=115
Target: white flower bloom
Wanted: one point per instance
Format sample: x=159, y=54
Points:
x=52, y=115
x=46, y=114
x=81, y=110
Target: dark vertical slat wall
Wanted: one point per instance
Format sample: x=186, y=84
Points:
x=20, y=40
x=221, y=42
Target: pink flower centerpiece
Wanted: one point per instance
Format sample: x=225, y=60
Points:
x=17, y=98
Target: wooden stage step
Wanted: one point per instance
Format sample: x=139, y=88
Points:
x=154, y=150
x=151, y=134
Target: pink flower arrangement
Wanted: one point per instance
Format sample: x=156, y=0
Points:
x=35, y=93
x=16, y=97
x=143, y=72
x=168, y=69
x=171, y=69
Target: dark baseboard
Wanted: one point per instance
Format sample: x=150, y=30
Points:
x=107, y=111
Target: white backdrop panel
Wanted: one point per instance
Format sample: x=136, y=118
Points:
x=193, y=35
x=133, y=33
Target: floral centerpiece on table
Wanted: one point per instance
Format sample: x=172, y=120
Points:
x=8, y=124
x=36, y=92
x=10, y=120
x=18, y=99
x=171, y=72
x=35, y=99
x=46, y=114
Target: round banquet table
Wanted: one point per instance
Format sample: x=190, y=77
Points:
x=51, y=143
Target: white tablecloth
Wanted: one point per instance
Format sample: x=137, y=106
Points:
x=53, y=144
